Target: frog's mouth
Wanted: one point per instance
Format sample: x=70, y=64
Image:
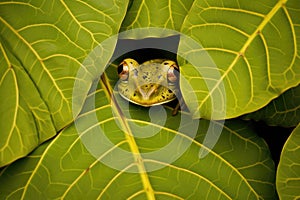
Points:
x=152, y=94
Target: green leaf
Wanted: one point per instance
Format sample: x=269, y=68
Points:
x=24, y=120
x=156, y=13
x=52, y=38
x=288, y=172
x=43, y=44
x=19, y=179
x=243, y=63
x=282, y=111
x=108, y=154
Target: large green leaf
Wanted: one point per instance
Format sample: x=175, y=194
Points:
x=253, y=50
x=238, y=167
x=288, y=172
x=42, y=46
x=282, y=111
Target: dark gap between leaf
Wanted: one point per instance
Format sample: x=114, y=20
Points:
x=275, y=137
x=146, y=49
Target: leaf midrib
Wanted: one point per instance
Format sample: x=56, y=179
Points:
x=139, y=162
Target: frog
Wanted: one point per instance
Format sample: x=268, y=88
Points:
x=154, y=82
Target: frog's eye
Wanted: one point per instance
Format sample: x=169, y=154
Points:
x=173, y=71
x=125, y=66
x=123, y=71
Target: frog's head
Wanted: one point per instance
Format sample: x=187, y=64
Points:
x=152, y=83
x=125, y=66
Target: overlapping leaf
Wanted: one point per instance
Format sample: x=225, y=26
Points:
x=24, y=117
x=288, y=172
x=42, y=46
x=282, y=111
x=254, y=53
x=238, y=167
x=163, y=14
